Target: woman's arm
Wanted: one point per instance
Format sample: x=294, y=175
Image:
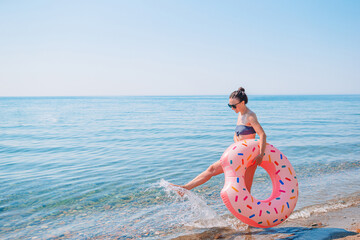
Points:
x=260, y=131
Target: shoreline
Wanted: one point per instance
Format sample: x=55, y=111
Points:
x=336, y=224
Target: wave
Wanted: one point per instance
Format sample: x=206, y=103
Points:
x=332, y=205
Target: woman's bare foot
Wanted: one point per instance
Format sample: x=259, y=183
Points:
x=179, y=189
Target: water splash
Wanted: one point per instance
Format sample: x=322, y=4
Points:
x=195, y=212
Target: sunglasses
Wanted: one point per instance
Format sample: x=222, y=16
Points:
x=233, y=106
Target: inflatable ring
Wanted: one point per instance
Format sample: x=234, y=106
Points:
x=254, y=212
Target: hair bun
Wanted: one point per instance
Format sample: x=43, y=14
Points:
x=240, y=95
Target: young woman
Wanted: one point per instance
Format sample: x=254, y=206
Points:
x=247, y=127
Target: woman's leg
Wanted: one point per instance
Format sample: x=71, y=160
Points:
x=249, y=176
x=216, y=169
x=213, y=170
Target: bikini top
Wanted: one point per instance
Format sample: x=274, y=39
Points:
x=243, y=129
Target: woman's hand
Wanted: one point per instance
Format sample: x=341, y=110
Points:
x=258, y=159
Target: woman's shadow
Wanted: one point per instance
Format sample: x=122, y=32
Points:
x=309, y=233
x=288, y=233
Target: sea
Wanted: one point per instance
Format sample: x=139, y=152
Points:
x=101, y=167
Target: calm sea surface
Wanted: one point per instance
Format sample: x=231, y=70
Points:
x=84, y=167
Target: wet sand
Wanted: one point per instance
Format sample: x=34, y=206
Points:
x=338, y=224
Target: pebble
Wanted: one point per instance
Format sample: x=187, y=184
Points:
x=316, y=224
x=217, y=236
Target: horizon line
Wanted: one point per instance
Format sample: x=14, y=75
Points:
x=182, y=95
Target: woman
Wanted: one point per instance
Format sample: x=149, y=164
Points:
x=247, y=127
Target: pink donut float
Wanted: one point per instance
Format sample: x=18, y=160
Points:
x=254, y=212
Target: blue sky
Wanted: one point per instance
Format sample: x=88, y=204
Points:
x=77, y=48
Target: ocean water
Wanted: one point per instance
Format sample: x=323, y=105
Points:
x=100, y=167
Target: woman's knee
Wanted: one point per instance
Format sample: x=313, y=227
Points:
x=212, y=170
